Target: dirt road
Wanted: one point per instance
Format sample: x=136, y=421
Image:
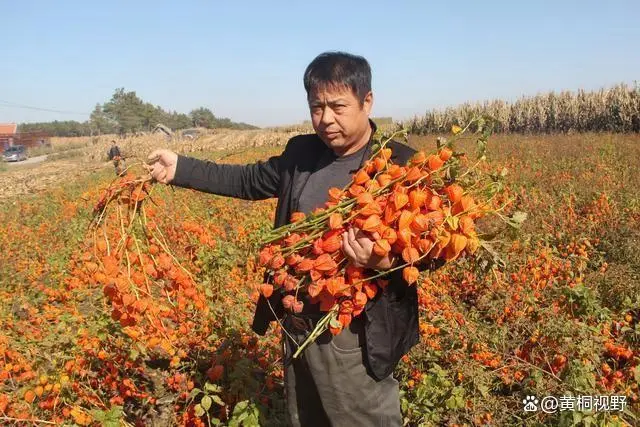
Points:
x=29, y=161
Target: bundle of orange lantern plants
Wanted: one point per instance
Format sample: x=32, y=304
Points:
x=418, y=214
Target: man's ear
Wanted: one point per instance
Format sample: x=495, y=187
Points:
x=367, y=103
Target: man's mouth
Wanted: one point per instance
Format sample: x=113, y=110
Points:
x=331, y=135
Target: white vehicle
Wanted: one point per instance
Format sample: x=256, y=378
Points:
x=15, y=153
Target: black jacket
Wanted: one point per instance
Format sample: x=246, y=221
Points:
x=114, y=151
x=391, y=317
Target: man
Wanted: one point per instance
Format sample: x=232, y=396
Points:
x=114, y=151
x=344, y=380
x=116, y=157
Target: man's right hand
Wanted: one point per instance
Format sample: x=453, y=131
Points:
x=162, y=165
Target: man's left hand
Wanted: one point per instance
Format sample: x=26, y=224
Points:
x=358, y=248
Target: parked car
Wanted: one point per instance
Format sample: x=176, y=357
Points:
x=15, y=153
x=191, y=133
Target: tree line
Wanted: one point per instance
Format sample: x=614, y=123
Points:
x=127, y=113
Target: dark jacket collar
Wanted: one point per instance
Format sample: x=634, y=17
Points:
x=369, y=146
x=303, y=172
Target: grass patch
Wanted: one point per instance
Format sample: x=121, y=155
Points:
x=71, y=154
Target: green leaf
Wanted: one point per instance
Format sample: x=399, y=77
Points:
x=217, y=400
x=636, y=373
x=456, y=400
x=245, y=414
x=453, y=222
x=451, y=402
x=241, y=406
x=214, y=388
x=198, y=410
x=116, y=412
x=98, y=415
x=206, y=402
x=109, y=418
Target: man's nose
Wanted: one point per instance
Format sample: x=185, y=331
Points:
x=327, y=116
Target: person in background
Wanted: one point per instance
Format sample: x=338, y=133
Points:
x=116, y=157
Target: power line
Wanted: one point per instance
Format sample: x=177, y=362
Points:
x=9, y=104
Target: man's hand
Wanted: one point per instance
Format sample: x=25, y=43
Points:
x=162, y=165
x=359, y=249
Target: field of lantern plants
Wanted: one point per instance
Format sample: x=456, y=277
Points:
x=129, y=303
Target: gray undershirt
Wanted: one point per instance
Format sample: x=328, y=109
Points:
x=331, y=171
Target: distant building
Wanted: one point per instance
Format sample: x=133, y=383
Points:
x=9, y=136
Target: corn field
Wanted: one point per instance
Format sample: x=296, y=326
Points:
x=607, y=110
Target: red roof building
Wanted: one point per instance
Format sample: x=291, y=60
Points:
x=8, y=128
x=7, y=134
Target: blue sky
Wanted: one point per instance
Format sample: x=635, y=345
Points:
x=245, y=59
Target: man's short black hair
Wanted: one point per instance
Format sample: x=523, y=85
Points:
x=339, y=69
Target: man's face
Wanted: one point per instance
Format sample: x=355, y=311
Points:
x=338, y=117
